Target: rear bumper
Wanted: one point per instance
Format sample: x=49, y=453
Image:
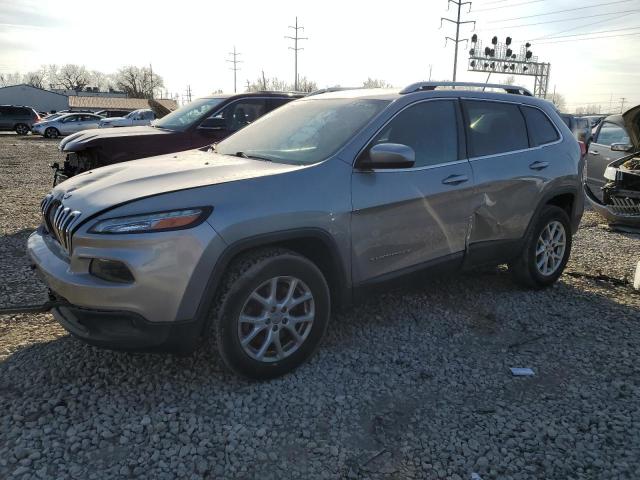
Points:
x=122, y=330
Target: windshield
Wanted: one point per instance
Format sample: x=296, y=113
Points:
x=184, y=117
x=304, y=131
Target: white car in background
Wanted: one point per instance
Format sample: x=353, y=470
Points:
x=133, y=119
x=66, y=124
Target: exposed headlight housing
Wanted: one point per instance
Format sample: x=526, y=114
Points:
x=153, y=222
x=610, y=173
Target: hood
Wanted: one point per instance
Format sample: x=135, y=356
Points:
x=632, y=123
x=86, y=138
x=102, y=188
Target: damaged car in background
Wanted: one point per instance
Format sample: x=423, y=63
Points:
x=616, y=194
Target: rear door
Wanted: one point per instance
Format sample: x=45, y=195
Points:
x=406, y=218
x=510, y=172
x=5, y=118
x=70, y=124
x=600, y=154
x=88, y=121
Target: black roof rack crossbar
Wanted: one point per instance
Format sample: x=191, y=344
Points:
x=425, y=86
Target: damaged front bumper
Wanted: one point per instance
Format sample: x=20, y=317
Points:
x=620, y=202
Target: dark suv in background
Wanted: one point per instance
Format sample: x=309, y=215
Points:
x=202, y=122
x=17, y=118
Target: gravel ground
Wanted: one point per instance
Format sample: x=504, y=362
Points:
x=413, y=385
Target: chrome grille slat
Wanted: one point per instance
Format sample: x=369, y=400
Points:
x=625, y=206
x=59, y=220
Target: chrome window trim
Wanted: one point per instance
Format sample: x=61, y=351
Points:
x=560, y=139
x=411, y=169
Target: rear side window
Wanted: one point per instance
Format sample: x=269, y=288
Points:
x=541, y=130
x=429, y=128
x=494, y=127
x=611, y=133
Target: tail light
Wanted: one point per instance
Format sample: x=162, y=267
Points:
x=583, y=148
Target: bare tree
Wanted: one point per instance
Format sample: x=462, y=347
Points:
x=37, y=78
x=511, y=80
x=73, y=77
x=275, y=84
x=7, y=79
x=559, y=101
x=100, y=80
x=138, y=82
x=376, y=83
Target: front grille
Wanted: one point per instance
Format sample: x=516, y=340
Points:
x=625, y=205
x=59, y=220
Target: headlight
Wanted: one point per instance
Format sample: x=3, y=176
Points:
x=610, y=173
x=153, y=222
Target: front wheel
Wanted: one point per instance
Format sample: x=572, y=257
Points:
x=546, y=250
x=51, y=132
x=271, y=313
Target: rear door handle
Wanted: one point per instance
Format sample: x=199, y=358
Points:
x=539, y=165
x=594, y=152
x=455, y=179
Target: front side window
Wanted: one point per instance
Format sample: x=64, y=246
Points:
x=494, y=127
x=541, y=130
x=611, y=133
x=430, y=128
x=304, y=131
x=240, y=114
x=185, y=116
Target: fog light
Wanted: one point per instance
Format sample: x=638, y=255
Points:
x=110, y=270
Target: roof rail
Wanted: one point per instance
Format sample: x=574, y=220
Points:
x=422, y=86
x=332, y=89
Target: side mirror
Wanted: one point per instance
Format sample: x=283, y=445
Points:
x=389, y=155
x=621, y=147
x=214, y=124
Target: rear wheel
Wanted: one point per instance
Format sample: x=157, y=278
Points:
x=51, y=132
x=546, y=250
x=271, y=313
x=22, y=129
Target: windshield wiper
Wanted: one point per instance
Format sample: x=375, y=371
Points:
x=252, y=157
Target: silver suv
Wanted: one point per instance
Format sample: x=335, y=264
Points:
x=252, y=242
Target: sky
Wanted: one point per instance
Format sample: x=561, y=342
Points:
x=188, y=41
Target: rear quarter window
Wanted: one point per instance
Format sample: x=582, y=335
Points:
x=494, y=127
x=541, y=130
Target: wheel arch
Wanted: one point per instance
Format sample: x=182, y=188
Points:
x=315, y=244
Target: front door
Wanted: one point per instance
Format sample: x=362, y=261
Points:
x=600, y=155
x=228, y=120
x=406, y=218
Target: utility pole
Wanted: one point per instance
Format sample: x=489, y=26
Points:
x=430, y=68
x=622, y=100
x=264, y=81
x=295, y=49
x=151, y=84
x=235, y=68
x=456, y=40
x=188, y=93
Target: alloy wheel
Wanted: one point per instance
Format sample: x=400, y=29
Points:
x=550, y=248
x=276, y=319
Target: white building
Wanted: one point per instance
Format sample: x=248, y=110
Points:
x=41, y=100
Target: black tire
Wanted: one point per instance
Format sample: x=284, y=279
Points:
x=524, y=268
x=22, y=129
x=246, y=274
x=51, y=132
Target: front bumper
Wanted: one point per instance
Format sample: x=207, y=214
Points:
x=123, y=330
x=609, y=212
x=167, y=268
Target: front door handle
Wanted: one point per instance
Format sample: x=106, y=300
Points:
x=455, y=179
x=539, y=165
x=594, y=152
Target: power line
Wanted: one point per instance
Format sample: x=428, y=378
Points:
x=593, y=33
x=597, y=22
x=458, y=22
x=295, y=49
x=590, y=38
x=235, y=68
x=571, y=19
x=561, y=11
x=507, y=6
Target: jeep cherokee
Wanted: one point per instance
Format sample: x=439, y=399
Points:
x=252, y=243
